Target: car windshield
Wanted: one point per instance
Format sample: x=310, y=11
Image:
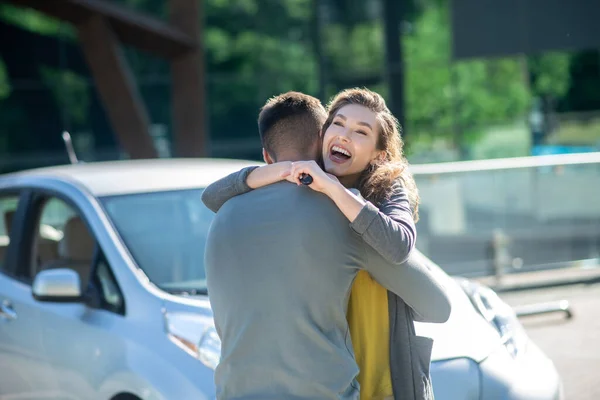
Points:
x=166, y=235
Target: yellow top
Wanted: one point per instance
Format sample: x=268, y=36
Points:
x=368, y=318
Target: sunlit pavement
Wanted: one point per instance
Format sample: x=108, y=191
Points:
x=571, y=343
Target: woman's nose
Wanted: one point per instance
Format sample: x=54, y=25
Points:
x=345, y=135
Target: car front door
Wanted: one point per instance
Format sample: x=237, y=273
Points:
x=24, y=371
x=76, y=337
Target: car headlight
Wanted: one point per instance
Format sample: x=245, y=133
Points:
x=196, y=335
x=499, y=314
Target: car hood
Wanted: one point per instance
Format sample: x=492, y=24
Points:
x=465, y=334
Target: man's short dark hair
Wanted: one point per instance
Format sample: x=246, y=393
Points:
x=292, y=120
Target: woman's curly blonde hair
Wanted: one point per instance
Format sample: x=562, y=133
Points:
x=377, y=181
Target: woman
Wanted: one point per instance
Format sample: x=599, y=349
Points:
x=362, y=149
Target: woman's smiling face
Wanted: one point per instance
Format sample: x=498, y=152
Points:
x=350, y=143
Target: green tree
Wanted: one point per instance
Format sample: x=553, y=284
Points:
x=254, y=50
x=446, y=97
x=71, y=92
x=550, y=75
x=259, y=48
x=4, y=81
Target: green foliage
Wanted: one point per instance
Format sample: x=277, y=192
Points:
x=447, y=98
x=356, y=50
x=70, y=91
x=550, y=74
x=4, y=81
x=34, y=21
x=255, y=49
x=259, y=48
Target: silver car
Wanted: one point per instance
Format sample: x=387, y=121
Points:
x=103, y=294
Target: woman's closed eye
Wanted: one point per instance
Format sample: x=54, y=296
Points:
x=338, y=123
x=361, y=132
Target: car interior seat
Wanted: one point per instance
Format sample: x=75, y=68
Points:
x=75, y=250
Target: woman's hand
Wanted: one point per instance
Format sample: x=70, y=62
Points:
x=348, y=203
x=322, y=181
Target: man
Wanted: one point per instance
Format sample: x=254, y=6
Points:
x=280, y=261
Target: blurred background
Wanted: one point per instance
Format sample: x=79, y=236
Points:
x=481, y=88
x=468, y=79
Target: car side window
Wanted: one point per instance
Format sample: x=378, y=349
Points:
x=8, y=207
x=111, y=298
x=62, y=240
x=65, y=241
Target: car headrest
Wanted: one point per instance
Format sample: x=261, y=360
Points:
x=77, y=244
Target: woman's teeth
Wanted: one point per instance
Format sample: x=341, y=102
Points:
x=340, y=150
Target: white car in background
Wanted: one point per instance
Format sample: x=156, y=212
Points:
x=103, y=294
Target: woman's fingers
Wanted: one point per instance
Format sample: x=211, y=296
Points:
x=294, y=172
x=320, y=178
x=304, y=166
x=301, y=168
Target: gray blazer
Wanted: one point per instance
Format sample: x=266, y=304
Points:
x=410, y=355
x=426, y=298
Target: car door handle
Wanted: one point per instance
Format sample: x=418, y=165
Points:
x=7, y=312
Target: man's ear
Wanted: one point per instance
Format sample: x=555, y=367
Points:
x=266, y=157
x=317, y=150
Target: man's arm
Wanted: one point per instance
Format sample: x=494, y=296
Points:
x=415, y=283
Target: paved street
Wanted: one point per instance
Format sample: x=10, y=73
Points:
x=572, y=344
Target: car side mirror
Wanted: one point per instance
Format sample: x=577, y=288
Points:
x=60, y=285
